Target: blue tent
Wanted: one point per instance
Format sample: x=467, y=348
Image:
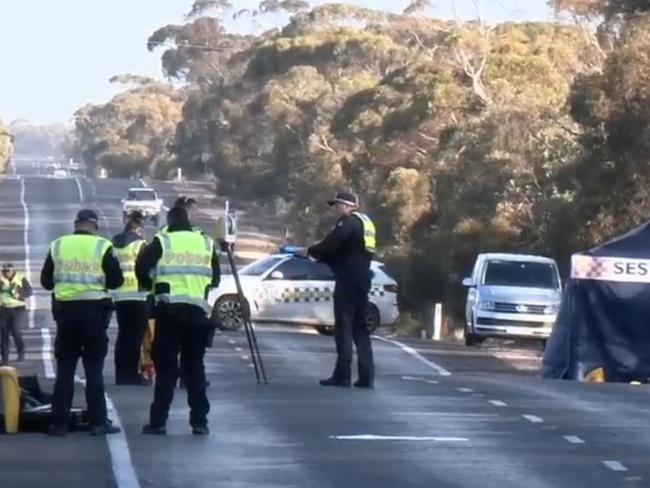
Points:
x=604, y=320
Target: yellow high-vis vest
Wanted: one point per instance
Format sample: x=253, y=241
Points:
x=78, y=273
x=165, y=229
x=9, y=290
x=369, y=232
x=186, y=267
x=127, y=256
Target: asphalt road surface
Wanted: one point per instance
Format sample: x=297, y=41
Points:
x=440, y=416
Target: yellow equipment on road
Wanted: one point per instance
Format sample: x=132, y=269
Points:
x=10, y=399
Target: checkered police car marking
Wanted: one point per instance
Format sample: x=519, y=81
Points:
x=303, y=295
x=377, y=291
x=610, y=269
x=316, y=294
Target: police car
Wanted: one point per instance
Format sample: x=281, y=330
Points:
x=285, y=289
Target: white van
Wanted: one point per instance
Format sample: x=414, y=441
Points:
x=511, y=295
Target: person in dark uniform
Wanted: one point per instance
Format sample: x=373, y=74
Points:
x=185, y=265
x=15, y=288
x=348, y=249
x=80, y=268
x=130, y=304
x=190, y=206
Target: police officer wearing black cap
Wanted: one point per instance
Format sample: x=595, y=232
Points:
x=80, y=268
x=184, y=265
x=348, y=249
x=190, y=206
x=131, y=304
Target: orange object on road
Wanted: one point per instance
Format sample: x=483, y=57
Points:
x=147, y=368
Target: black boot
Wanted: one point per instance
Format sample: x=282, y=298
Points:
x=154, y=430
x=105, y=429
x=200, y=430
x=335, y=382
x=364, y=384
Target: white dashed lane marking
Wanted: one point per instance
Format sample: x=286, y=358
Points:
x=615, y=465
x=533, y=419
x=497, y=403
x=574, y=439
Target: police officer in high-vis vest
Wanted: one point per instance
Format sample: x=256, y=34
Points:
x=80, y=268
x=348, y=249
x=130, y=304
x=15, y=288
x=184, y=265
x=190, y=206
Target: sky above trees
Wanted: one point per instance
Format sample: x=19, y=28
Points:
x=62, y=58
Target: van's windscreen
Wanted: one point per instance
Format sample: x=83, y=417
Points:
x=521, y=273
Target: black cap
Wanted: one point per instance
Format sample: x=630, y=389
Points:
x=7, y=266
x=184, y=202
x=177, y=216
x=87, y=215
x=136, y=216
x=346, y=198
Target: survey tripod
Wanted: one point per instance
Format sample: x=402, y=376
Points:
x=225, y=235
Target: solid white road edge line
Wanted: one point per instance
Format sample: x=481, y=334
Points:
x=118, y=447
x=31, y=301
x=614, y=465
x=409, y=350
x=46, y=353
x=79, y=189
x=372, y=437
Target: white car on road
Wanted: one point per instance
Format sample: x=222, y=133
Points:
x=285, y=289
x=143, y=200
